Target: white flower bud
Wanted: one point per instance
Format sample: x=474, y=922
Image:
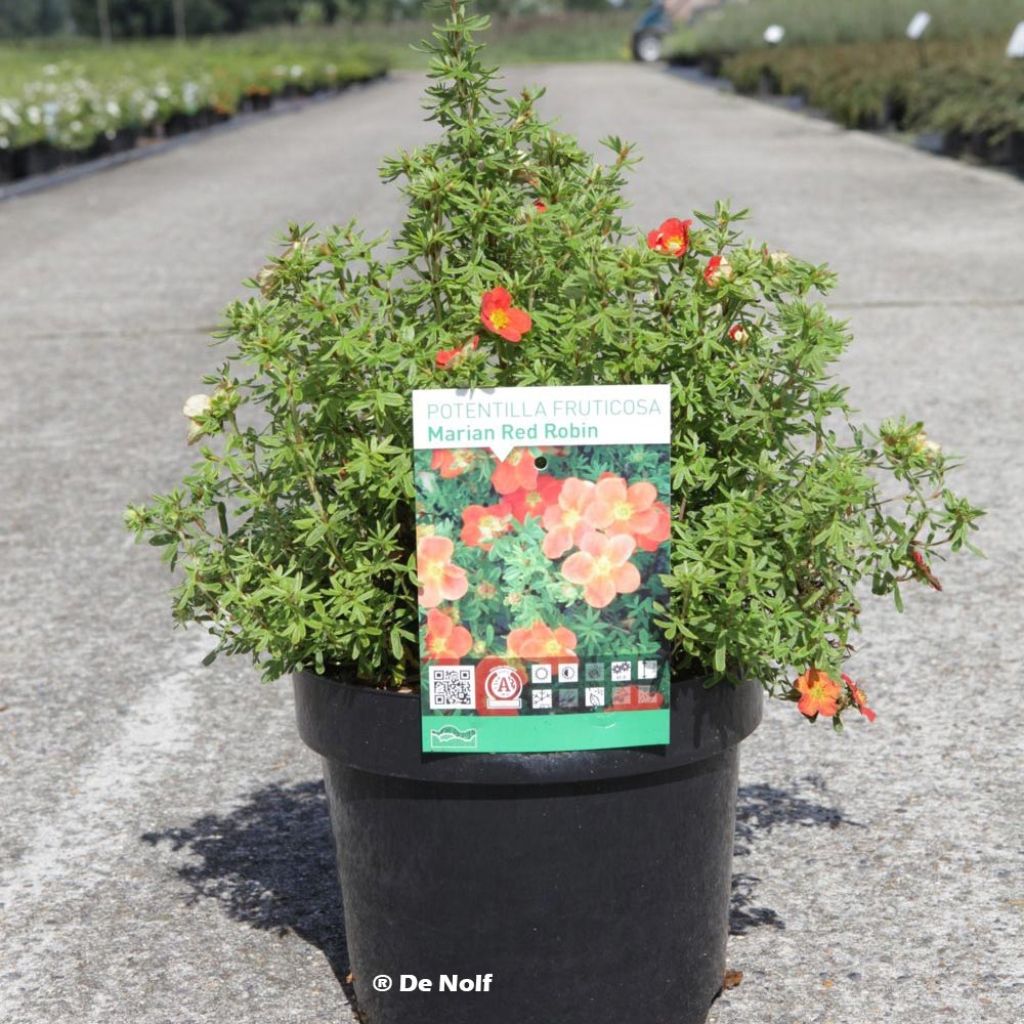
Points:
x=196, y=405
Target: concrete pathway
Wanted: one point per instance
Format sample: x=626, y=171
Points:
x=164, y=855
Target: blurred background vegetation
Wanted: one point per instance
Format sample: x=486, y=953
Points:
x=740, y=24
x=955, y=88
x=79, y=76
x=128, y=19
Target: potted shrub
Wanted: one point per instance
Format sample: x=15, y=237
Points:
x=571, y=886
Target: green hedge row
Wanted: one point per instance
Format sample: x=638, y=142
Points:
x=970, y=94
x=61, y=107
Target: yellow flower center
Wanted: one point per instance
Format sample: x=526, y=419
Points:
x=499, y=318
x=602, y=566
x=674, y=242
x=570, y=517
x=437, y=644
x=623, y=510
x=491, y=526
x=433, y=571
x=552, y=646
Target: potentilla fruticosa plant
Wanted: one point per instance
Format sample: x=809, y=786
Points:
x=294, y=534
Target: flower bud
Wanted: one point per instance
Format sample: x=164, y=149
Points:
x=196, y=406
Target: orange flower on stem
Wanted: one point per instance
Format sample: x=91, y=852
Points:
x=602, y=567
x=453, y=462
x=498, y=314
x=532, y=502
x=541, y=641
x=819, y=695
x=564, y=520
x=540, y=206
x=719, y=269
x=439, y=579
x=616, y=508
x=452, y=356
x=517, y=472
x=446, y=641
x=482, y=525
x=672, y=238
x=859, y=698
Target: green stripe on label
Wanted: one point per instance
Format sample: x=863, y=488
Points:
x=471, y=734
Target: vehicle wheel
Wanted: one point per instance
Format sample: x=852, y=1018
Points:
x=647, y=47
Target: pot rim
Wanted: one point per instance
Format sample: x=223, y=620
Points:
x=378, y=731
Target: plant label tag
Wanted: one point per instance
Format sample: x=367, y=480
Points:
x=542, y=535
x=918, y=25
x=1015, y=48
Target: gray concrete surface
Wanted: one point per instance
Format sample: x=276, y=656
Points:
x=163, y=846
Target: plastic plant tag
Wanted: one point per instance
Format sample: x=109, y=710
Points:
x=918, y=25
x=1015, y=47
x=542, y=519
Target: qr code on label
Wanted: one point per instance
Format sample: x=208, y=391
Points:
x=452, y=688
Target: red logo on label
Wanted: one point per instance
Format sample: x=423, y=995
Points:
x=504, y=686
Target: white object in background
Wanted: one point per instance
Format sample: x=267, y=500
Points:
x=774, y=34
x=1016, y=44
x=918, y=25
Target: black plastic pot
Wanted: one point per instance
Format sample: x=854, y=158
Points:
x=593, y=886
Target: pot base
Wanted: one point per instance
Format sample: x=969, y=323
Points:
x=599, y=902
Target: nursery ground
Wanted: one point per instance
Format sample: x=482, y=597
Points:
x=164, y=852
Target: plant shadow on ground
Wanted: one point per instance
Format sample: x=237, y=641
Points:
x=759, y=809
x=270, y=862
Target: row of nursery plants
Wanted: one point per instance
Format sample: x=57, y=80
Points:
x=741, y=26
x=63, y=106
x=968, y=95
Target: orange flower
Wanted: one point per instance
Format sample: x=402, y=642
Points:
x=540, y=206
x=498, y=314
x=739, y=334
x=819, y=694
x=564, y=520
x=672, y=238
x=602, y=567
x=532, y=502
x=453, y=462
x=859, y=698
x=517, y=472
x=659, y=533
x=445, y=640
x=439, y=579
x=719, y=269
x=616, y=508
x=482, y=525
x=452, y=356
x=541, y=641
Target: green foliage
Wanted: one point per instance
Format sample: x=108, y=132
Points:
x=294, y=533
x=740, y=26
x=970, y=88
x=71, y=97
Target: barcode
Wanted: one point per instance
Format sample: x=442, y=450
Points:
x=452, y=688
